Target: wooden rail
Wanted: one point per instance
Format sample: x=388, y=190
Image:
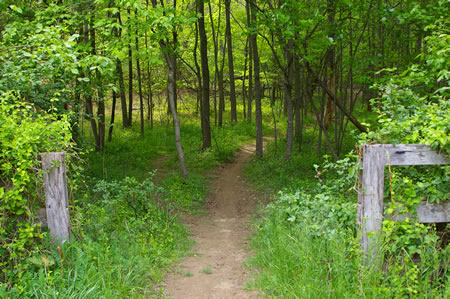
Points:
x=370, y=196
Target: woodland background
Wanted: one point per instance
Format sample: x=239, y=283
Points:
x=122, y=85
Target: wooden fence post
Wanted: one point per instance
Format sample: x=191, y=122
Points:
x=370, y=195
x=56, y=197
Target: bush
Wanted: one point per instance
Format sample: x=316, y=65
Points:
x=126, y=239
x=24, y=134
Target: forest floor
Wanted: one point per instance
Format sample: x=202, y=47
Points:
x=215, y=268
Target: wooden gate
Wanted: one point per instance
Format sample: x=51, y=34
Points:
x=370, y=196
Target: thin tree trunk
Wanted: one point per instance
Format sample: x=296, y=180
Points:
x=123, y=100
x=206, y=133
x=113, y=112
x=258, y=112
x=171, y=97
x=100, y=136
x=298, y=104
x=149, y=83
x=130, y=86
x=119, y=70
x=171, y=60
x=141, y=98
x=230, y=62
x=244, y=92
x=250, y=66
x=150, y=91
x=216, y=66
x=221, y=89
x=330, y=64
x=288, y=99
x=198, y=73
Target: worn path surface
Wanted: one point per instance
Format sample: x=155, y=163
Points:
x=215, y=269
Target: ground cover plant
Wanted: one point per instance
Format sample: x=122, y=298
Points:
x=147, y=97
x=307, y=243
x=125, y=229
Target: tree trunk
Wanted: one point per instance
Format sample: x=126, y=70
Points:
x=288, y=99
x=123, y=100
x=230, y=62
x=221, y=89
x=171, y=97
x=216, y=54
x=141, y=99
x=119, y=70
x=171, y=60
x=206, y=133
x=130, y=86
x=298, y=104
x=258, y=112
x=250, y=66
x=100, y=136
x=244, y=92
x=199, y=78
x=113, y=114
x=330, y=64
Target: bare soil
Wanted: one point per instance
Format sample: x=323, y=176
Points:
x=215, y=268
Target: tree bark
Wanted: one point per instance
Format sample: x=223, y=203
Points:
x=171, y=60
x=113, y=114
x=216, y=66
x=206, y=133
x=330, y=64
x=244, y=92
x=119, y=70
x=250, y=66
x=141, y=99
x=288, y=99
x=221, y=89
x=298, y=131
x=230, y=62
x=258, y=112
x=130, y=86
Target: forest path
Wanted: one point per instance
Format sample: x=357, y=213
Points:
x=215, y=268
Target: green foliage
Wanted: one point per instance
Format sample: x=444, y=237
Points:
x=307, y=246
x=185, y=194
x=414, y=107
x=24, y=135
x=127, y=238
x=39, y=61
x=306, y=242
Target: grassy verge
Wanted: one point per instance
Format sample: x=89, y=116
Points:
x=306, y=243
x=125, y=227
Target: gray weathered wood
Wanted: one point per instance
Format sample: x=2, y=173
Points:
x=370, y=196
x=413, y=154
x=427, y=213
x=55, y=187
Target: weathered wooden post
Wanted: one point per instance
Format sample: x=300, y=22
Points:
x=370, y=196
x=56, y=197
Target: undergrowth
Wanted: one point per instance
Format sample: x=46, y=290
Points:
x=125, y=228
x=306, y=242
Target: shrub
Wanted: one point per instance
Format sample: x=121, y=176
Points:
x=24, y=134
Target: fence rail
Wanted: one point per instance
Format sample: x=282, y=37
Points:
x=370, y=196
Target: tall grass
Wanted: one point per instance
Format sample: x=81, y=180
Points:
x=306, y=245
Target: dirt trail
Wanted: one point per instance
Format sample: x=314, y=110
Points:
x=215, y=268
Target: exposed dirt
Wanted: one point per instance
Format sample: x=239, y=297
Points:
x=215, y=268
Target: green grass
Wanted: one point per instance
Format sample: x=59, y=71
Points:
x=207, y=270
x=119, y=249
x=298, y=257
